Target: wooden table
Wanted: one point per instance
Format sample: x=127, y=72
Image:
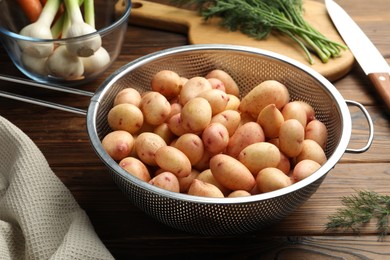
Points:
x=128, y=232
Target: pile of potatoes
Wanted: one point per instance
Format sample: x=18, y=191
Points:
x=196, y=136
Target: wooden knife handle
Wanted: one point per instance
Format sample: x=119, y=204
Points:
x=381, y=82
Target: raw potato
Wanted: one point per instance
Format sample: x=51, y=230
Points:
x=173, y=160
x=258, y=156
x=231, y=173
x=196, y=115
x=267, y=92
x=185, y=182
x=310, y=113
x=128, y=95
x=203, y=164
x=215, y=138
x=270, y=119
x=245, y=135
x=125, y=117
x=304, y=169
x=284, y=164
x=175, y=109
x=204, y=189
x=136, y=168
x=192, y=88
x=271, y=179
x=167, y=82
x=217, y=99
x=118, y=144
x=175, y=124
x=313, y=151
x=317, y=131
x=217, y=84
x=146, y=145
x=239, y=193
x=207, y=176
x=166, y=181
x=165, y=133
x=191, y=145
x=291, y=136
x=155, y=108
x=295, y=110
x=229, y=83
x=233, y=103
x=229, y=118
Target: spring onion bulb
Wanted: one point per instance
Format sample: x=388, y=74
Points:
x=65, y=65
x=86, y=46
x=41, y=30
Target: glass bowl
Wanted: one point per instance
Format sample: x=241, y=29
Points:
x=110, y=28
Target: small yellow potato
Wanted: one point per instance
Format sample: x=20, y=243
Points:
x=239, y=193
x=126, y=117
x=231, y=173
x=175, y=124
x=284, y=164
x=203, y=164
x=207, y=176
x=165, y=133
x=317, y=131
x=291, y=136
x=295, y=110
x=167, y=82
x=173, y=160
x=192, y=88
x=128, y=95
x=267, y=92
x=155, y=108
x=217, y=84
x=175, y=109
x=185, y=182
x=204, y=189
x=231, y=86
x=215, y=138
x=271, y=179
x=229, y=118
x=118, y=144
x=191, y=145
x=146, y=145
x=136, y=168
x=304, y=169
x=196, y=115
x=245, y=135
x=258, y=156
x=217, y=99
x=270, y=119
x=233, y=102
x=183, y=80
x=274, y=141
x=310, y=113
x=166, y=181
x=313, y=151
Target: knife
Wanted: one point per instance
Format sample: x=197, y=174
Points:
x=366, y=54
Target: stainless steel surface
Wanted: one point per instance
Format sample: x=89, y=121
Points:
x=248, y=66
x=365, y=52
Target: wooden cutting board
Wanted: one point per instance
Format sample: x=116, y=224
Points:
x=160, y=16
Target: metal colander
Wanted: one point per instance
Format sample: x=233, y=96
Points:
x=249, y=67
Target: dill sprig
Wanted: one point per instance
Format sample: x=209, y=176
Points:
x=359, y=209
x=257, y=18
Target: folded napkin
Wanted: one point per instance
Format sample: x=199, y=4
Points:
x=39, y=218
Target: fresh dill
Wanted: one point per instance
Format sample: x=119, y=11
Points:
x=257, y=18
x=359, y=209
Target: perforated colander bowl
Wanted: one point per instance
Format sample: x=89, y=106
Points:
x=249, y=67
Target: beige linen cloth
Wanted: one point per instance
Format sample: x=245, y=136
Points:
x=39, y=218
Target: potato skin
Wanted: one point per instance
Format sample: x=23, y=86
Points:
x=267, y=92
x=126, y=117
x=215, y=138
x=173, y=160
x=204, y=189
x=155, y=108
x=313, y=151
x=271, y=179
x=192, y=88
x=136, y=168
x=304, y=169
x=229, y=118
x=231, y=173
x=196, y=115
x=185, y=182
x=191, y=145
x=128, y=95
x=118, y=144
x=216, y=98
x=231, y=86
x=166, y=181
x=258, y=156
x=146, y=145
x=239, y=193
x=317, y=131
x=291, y=136
x=207, y=176
x=167, y=83
x=270, y=119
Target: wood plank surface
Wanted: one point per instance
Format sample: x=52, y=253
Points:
x=130, y=234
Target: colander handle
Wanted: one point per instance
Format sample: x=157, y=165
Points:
x=370, y=128
x=43, y=102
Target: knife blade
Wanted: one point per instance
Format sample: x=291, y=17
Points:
x=366, y=54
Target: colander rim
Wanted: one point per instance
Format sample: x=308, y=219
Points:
x=114, y=166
